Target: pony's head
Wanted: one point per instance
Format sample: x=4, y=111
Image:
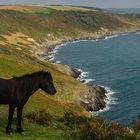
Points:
x=47, y=83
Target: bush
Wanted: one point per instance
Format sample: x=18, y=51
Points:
x=79, y=127
x=94, y=128
x=40, y=116
x=71, y=119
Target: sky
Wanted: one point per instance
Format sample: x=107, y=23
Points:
x=91, y=3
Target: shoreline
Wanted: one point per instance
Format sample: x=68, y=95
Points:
x=52, y=49
x=48, y=46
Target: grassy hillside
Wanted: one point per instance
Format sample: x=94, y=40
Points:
x=24, y=30
x=60, y=23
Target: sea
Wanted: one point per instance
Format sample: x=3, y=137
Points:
x=112, y=62
x=124, y=10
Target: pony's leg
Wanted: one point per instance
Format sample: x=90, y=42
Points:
x=19, y=119
x=10, y=118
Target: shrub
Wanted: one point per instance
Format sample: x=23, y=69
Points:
x=94, y=128
x=79, y=127
x=40, y=116
x=72, y=119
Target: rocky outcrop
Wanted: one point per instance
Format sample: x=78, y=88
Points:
x=76, y=72
x=94, y=98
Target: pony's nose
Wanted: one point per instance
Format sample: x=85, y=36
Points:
x=54, y=92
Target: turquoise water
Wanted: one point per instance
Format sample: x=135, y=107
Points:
x=113, y=63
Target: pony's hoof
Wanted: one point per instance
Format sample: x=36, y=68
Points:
x=20, y=132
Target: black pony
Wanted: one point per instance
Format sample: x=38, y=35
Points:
x=17, y=90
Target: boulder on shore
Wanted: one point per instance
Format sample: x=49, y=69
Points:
x=94, y=98
x=76, y=72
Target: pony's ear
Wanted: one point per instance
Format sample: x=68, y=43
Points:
x=48, y=73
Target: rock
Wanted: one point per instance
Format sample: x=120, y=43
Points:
x=75, y=72
x=94, y=98
x=83, y=81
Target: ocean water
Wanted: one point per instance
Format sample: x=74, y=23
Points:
x=114, y=63
x=124, y=10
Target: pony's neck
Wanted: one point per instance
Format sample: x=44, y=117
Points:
x=34, y=85
x=27, y=85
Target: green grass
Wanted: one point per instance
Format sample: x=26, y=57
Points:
x=32, y=131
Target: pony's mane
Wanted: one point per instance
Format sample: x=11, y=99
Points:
x=30, y=75
x=28, y=81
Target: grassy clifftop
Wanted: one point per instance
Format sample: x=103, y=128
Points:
x=26, y=29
